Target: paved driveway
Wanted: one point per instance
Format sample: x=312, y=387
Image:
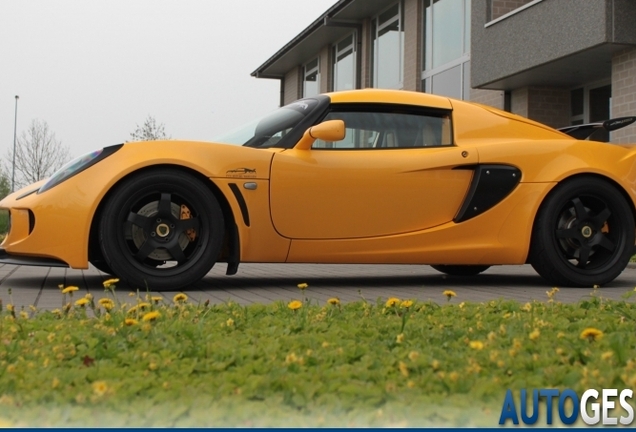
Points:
x=266, y=283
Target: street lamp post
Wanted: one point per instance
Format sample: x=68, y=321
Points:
x=15, y=128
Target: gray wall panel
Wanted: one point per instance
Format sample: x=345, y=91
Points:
x=542, y=33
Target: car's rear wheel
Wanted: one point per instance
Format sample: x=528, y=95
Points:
x=583, y=234
x=461, y=270
x=161, y=230
x=102, y=266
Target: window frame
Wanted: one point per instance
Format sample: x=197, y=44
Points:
x=336, y=53
x=375, y=30
x=308, y=72
x=427, y=75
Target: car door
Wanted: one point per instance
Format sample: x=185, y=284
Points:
x=396, y=171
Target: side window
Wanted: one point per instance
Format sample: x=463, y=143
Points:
x=385, y=130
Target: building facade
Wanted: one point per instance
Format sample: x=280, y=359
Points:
x=559, y=62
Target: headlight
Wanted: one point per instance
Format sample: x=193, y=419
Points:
x=78, y=165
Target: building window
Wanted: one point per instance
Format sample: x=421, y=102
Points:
x=591, y=104
x=446, y=48
x=344, y=64
x=311, y=78
x=388, y=48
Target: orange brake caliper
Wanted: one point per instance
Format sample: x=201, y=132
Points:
x=185, y=214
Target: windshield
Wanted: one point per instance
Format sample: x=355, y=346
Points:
x=270, y=129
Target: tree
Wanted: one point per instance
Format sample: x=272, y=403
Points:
x=38, y=154
x=149, y=131
x=5, y=183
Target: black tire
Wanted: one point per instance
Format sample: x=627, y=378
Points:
x=461, y=270
x=145, y=240
x=102, y=266
x=583, y=234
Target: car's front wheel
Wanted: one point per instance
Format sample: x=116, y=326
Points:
x=461, y=270
x=583, y=234
x=161, y=230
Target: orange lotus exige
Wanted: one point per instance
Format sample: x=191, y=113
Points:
x=364, y=176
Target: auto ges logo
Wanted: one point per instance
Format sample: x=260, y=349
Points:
x=606, y=407
x=241, y=172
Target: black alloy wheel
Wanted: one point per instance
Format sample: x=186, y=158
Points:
x=583, y=235
x=161, y=230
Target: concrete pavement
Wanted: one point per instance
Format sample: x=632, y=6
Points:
x=266, y=283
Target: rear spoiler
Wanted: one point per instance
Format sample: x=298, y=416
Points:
x=584, y=131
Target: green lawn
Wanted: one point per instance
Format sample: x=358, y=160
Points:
x=367, y=363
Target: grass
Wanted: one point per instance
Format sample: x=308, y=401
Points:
x=365, y=363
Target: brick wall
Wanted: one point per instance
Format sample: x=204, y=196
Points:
x=624, y=93
x=292, y=86
x=499, y=8
x=493, y=98
x=519, y=101
x=412, y=45
x=547, y=105
x=550, y=106
x=324, y=69
x=366, y=53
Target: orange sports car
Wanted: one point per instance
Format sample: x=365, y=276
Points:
x=363, y=176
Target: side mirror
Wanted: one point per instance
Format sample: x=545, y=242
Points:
x=331, y=130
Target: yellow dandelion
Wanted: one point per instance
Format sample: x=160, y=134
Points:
x=406, y=304
x=10, y=307
x=106, y=303
x=151, y=316
x=108, y=283
x=156, y=299
x=607, y=355
x=399, y=338
x=404, y=369
x=413, y=355
x=449, y=294
x=24, y=315
x=302, y=286
x=476, y=345
x=100, y=388
x=180, y=298
x=88, y=296
x=335, y=301
x=552, y=293
x=130, y=322
x=133, y=310
x=229, y=322
x=69, y=289
x=82, y=302
x=392, y=301
x=591, y=334
x=291, y=358
x=527, y=307
x=132, y=294
x=144, y=306
x=294, y=305
x=534, y=335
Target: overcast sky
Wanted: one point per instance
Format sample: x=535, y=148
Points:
x=93, y=70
